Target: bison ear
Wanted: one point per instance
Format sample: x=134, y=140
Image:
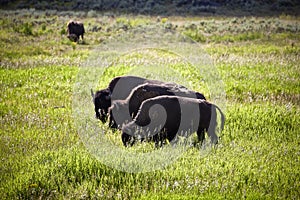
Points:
x=108, y=97
x=92, y=93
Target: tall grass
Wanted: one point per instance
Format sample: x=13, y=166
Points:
x=42, y=155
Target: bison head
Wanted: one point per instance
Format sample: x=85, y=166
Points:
x=102, y=101
x=73, y=37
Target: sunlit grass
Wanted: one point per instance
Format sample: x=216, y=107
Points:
x=42, y=155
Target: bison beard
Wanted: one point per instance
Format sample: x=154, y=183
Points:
x=199, y=120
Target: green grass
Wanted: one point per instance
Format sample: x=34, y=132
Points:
x=42, y=155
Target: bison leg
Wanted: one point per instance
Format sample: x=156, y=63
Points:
x=157, y=141
x=201, y=135
x=160, y=139
x=127, y=139
x=112, y=122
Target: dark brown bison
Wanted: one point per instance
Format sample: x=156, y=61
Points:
x=165, y=117
x=75, y=30
x=123, y=111
x=118, y=89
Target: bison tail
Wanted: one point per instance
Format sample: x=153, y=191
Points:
x=213, y=124
x=222, y=117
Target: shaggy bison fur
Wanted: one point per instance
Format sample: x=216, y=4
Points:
x=123, y=111
x=118, y=89
x=165, y=117
x=75, y=30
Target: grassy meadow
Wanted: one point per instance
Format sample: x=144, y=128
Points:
x=42, y=155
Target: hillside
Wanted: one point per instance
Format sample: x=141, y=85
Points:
x=166, y=7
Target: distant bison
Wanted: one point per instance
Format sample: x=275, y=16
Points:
x=118, y=89
x=75, y=30
x=123, y=111
x=183, y=116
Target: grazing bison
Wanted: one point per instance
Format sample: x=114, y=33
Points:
x=165, y=117
x=75, y=30
x=118, y=89
x=123, y=111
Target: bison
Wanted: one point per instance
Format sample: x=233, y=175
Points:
x=118, y=89
x=165, y=117
x=123, y=111
x=75, y=30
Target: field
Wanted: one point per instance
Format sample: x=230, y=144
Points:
x=43, y=155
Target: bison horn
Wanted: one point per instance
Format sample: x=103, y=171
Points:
x=92, y=93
